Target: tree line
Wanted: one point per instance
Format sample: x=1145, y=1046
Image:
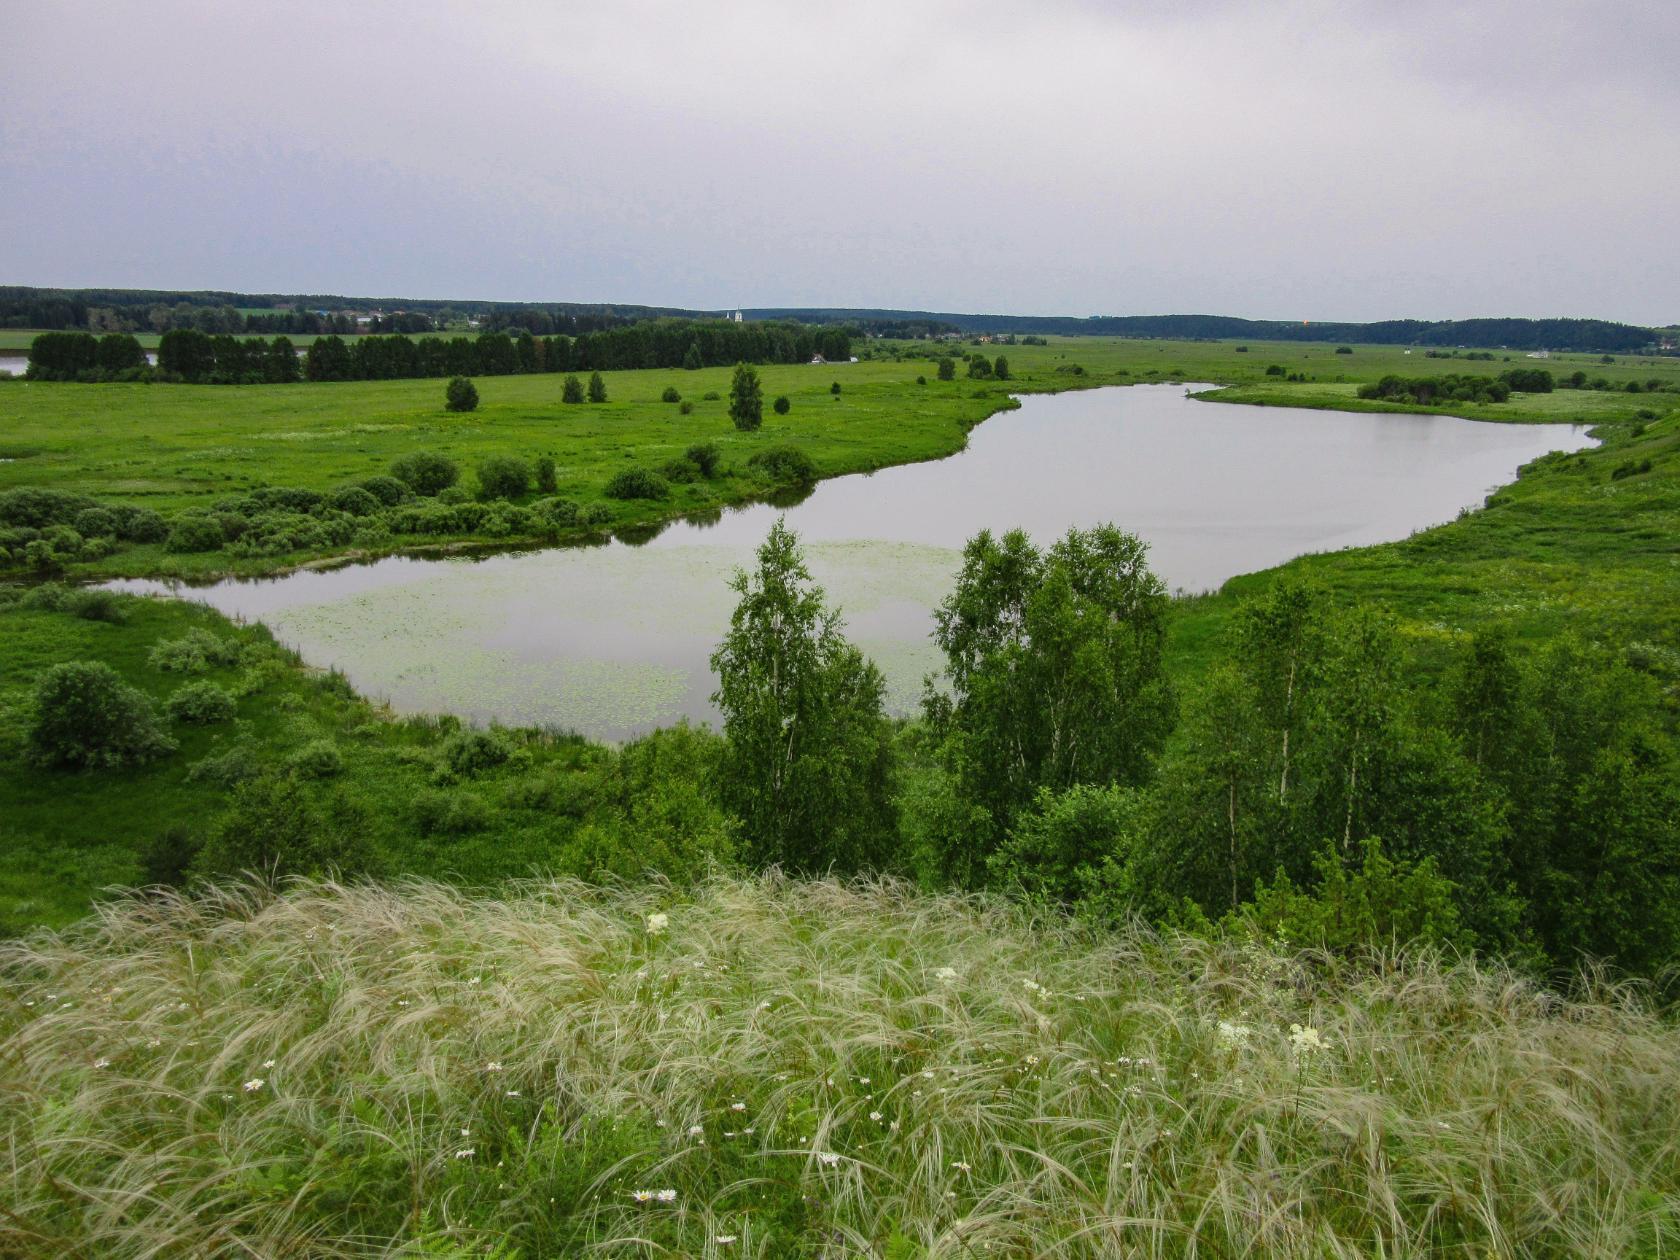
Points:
x=1310, y=785
x=196, y=357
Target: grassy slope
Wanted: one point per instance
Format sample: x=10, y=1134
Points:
x=171, y=447
x=804, y=1069
x=64, y=835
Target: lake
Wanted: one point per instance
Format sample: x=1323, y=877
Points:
x=614, y=639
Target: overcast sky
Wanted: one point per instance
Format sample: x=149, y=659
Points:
x=1350, y=159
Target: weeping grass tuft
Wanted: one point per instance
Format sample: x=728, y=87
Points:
x=771, y=1067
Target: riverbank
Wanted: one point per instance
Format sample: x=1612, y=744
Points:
x=186, y=448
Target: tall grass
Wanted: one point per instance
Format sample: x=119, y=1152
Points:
x=799, y=1068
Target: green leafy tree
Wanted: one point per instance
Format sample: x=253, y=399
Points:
x=504, y=477
x=597, y=388
x=84, y=715
x=947, y=369
x=746, y=399
x=807, y=767
x=571, y=391
x=692, y=361
x=1055, y=666
x=460, y=394
x=781, y=406
x=425, y=472
x=275, y=826
x=1000, y=368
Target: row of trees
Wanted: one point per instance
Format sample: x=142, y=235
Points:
x=1528, y=804
x=197, y=357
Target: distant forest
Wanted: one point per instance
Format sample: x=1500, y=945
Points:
x=216, y=312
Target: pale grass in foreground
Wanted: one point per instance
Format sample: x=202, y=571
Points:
x=772, y=1067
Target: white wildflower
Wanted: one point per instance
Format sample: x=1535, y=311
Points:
x=945, y=975
x=875, y=1116
x=740, y=1106
x=1233, y=1035
x=962, y=1165
x=466, y=1152
x=724, y=1240
x=657, y=923
x=665, y=1196
x=253, y=1085
x=695, y=1130
x=268, y=1063
x=829, y=1158
x=1305, y=1040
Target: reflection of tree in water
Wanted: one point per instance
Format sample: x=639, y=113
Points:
x=791, y=496
x=639, y=535
x=706, y=518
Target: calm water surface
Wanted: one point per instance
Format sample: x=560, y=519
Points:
x=613, y=640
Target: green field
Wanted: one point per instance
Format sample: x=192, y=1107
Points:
x=173, y=447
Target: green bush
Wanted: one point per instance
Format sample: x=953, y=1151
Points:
x=473, y=750
x=97, y=605
x=440, y=812
x=276, y=827
x=84, y=715
x=201, y=703
x=670, y=394
x=781, y=406
x=425, y=472
x=685, y=408
x=194, y=652
x=354, y=500
x=240, y=763
x=460, y=395
x=785, y=465
x=388, y=490
x=705, y=456
x=318, y=759
x=597, y=388
x=638, y=483
x=503, y=477
x=96, y=523
x=711, y=395
x=947, y=369
x=572, y=390
x=834, y=387
x=678, y=471
x=141, y=525
x=194, y=532
x=546, y=471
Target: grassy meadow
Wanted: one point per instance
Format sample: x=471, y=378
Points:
x=176, y=447
x=772, y=1068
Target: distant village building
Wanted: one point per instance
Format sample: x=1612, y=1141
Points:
x=1539, y=354
x=816, y=359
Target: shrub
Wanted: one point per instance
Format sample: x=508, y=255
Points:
x=96, y=605
x=711, y=395
x=473, y=750
x=449, y=813
x=1344, y=349
x=781, y=406
x=572, y=390
x=503, y=477
x=1000, y=368
x=354, y=500
x=275, y=826
x=96, y=523
x=788, y=464
x=638, y=483
x=201, y=703
x=453, y=496
x=545, y=474
x=238, y=764
x=167, y=859
x=194, y=532
x=685, y=408
x=597, y=388
x=388, y=490
x=947, y=369
x=834, y=387
x=705, y=457
x=1274, y=369
x=670, y=395
x=425, y=472
x=318, y=759
x=921, y=380
x=460, y=395
x=194, y=652
x=33, y=506
x=678, y=471
x=141, y=525
x=83, y=714
x=556, y=514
